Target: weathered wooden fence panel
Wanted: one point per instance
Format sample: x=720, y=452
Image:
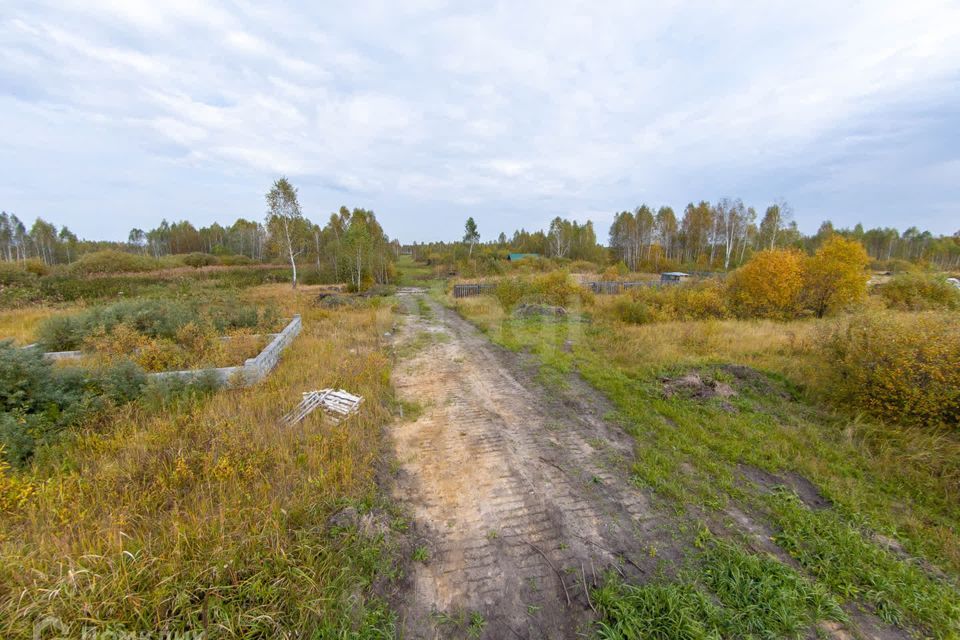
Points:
x=468, y=290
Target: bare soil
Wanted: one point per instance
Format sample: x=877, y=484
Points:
x=519, y=491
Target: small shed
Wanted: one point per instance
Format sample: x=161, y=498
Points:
x=514, y=257
x=673, y=277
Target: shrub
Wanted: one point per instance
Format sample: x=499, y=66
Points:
x=835, y=276
x=198, y=259
x=900, y=369
x=700, y=301
x=123, y=382
x=111, y=261
x=235, y=261
x=555, y=288
x=633, y=311
x=36, y=266
x=769, y=285
x=167, y=391
x=919, y=292
x=13, y=274
x=509, y=292
x=149, y=318
x=894, y=265
x=38, y=401
x=584, y=266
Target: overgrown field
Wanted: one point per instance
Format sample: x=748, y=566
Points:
x=195, y=511
x=736, y=415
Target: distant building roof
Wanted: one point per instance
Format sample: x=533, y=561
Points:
x=520, y=256
x=677, y=274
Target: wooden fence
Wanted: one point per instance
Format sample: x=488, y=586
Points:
x=468, y=290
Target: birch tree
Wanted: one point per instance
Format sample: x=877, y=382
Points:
x=285, y=221
x=471, y=236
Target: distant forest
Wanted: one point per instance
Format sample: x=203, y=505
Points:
x=715, y=236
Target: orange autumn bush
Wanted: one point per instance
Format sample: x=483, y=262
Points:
x=769, y=285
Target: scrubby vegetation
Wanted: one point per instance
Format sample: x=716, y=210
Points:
x=111, y=261
x=138, y=504
x=897, y=368
x=861, y=402
x=187, y=511
x=919, y=292
x=162, y=336
x=39, y=401
x=153, y=318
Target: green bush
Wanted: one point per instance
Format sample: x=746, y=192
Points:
x=509, y=292
x=14, y=274
x=198, y=259
x=900, y=369
x=151, y=318
x=112, y=261
x=37, y=267
x=633, y=311
x=235, y=261
x=919, y=292
x=166, y=392
x=894, y=265
x=38, y=401
x=556, y=288
x=695, y=301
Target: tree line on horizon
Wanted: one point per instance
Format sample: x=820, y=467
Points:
x=721, y=235
x=350, y=247
x=705, y=236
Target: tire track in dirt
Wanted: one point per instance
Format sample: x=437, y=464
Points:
x=522, y=491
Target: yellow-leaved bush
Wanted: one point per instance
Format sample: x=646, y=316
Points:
x=835, y=276
x=769, y=285
x=899, y=368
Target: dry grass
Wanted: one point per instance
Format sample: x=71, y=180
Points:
x=900, y=479
x=208, y=515
x=21, y=324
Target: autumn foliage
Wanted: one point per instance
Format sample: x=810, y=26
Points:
x=835, y=276
x=769, y=285
x=898, y=368
x=781, y=283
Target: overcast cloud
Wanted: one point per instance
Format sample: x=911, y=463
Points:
x=118, y=114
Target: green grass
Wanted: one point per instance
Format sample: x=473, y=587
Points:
x=899, y=482
x=729, y=593
x=763, y=597
x=836, y=552
x=460, y=623
x=421, y=554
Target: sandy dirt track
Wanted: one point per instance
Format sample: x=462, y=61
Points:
x=521, y=492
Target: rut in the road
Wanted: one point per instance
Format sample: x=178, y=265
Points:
x=522, y=491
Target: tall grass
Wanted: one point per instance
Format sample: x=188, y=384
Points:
x=206, y=514
x=898, y=481
x=21, y=325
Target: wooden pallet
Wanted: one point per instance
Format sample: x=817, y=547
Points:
x=336, y=404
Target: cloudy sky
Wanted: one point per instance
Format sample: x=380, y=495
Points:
x=118, y=114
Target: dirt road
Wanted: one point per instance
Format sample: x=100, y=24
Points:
x=520, y=492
